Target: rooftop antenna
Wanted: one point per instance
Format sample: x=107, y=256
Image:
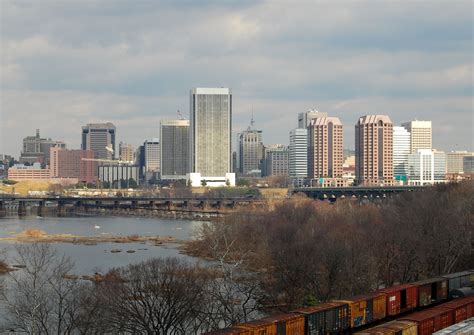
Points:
x=180, y=115
x=252, y=121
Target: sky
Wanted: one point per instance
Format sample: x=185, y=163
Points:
x=65, y=63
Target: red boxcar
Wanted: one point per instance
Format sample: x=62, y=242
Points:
x=463, y=308
x=431, y=291
x=400, y=298
x=432, y=320
x=229, y=331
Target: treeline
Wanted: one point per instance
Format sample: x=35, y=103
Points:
x=157, y=296
x=305, y=251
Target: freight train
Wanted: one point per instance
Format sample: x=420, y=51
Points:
x=350, y=315
x=427, y=321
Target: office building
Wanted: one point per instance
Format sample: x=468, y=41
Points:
x=455, y=161
x=100, y=138
x=325, y=152
x=174, y=139
x=140, y=160
x=468, y=164
x=250, y=151
x=19, y=172
x=276, y=161
x=374, y=150
x=36, y=149
x=151, y=158
x=126, y=152
x=426, y=167
x=119, y=176
x=298, y=153
x=46, y=147
x=304, y=119
x=210, y=131
x=401, y=150
x=76, y=164
x=420, y=134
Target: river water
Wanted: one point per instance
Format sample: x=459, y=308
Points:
x=99, y=258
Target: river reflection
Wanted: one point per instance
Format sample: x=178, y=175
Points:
x=98, y=258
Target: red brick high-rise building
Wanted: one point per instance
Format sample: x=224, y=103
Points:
x=70, y=164
x=325, y=150
x=374, y=150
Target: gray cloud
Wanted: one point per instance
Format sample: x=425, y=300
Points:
x=66, y=63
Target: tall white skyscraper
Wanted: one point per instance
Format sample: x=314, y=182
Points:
x=401, y=150
x=210, y=131
x=298, y=153
x=420, y=134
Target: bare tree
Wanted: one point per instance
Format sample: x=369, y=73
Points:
x=158, y=296
x=39, y=298
x=233, y=291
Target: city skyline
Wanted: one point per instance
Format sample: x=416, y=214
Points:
x=415, y=64
x=236, y=134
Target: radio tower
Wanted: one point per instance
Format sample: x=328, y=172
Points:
x=252, y=121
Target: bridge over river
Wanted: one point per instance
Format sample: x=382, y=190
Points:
x=198, y=205
x=62, y=205
x=361, y=192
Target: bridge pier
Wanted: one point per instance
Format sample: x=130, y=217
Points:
x=80, y=207
x=21, y=208
x=61, y=209
x=40, y=209
x=3, y=211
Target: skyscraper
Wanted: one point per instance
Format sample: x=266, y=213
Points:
x=298, y=153
x=210, y=131
x=151, y=152
x=374, y=150
x=73, y=164
x=126, y=152
x=304, y=119
x=420, y=135
x=325, y=152
x=401, y=150
x=276, y=160
x=174, y=139
x=98, y=137
x=36, y=149
x=250, y=150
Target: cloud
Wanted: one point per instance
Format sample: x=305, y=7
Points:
x=68, y=63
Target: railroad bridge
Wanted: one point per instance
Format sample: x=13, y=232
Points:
x=63, y=204
x=361, y=192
